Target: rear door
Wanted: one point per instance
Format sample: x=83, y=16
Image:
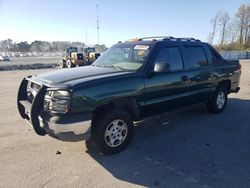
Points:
x=166, y=90
x=201, y=80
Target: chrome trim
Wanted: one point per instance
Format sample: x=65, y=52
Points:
x=83, y=127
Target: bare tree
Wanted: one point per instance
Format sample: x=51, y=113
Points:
x=214, y=23
x=241, y=18
x=247, y=24
x=223, y=20
x=233, y=31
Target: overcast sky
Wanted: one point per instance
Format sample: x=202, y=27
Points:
x=70, y=20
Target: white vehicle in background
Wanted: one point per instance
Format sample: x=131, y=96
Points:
x=4, y=58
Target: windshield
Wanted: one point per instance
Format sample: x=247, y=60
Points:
x=72, y=49
x=124, y=57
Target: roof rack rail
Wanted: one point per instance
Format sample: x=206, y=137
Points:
x=156, y=37
x=169, y=38
x=188, y=39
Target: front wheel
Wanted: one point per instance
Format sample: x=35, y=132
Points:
x=218, y=101
x=69, y=64
x=112, y=132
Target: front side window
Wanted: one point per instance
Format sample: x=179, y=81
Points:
x=124, y=57
x=171, y=56
x=196, y=56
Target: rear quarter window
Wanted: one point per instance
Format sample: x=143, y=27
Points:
x=216, y=58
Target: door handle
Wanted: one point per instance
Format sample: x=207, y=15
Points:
x=184, y=78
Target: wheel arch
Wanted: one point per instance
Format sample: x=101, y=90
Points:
x=128, y=105
x=225, y=83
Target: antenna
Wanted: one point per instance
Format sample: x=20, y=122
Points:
x=97, y=22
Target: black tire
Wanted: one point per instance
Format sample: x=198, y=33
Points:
x=62, y=64
x=69, y=63
x=104, y=124
x=219, y=100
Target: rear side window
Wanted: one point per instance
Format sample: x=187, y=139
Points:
x=172, y=56
x=196, y=56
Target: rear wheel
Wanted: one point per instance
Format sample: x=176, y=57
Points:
x=62, y=64
x=218, y=101
x=112, y=132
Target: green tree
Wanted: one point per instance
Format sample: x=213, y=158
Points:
x=23, y=46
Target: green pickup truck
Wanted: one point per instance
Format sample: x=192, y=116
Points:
x=129, y=82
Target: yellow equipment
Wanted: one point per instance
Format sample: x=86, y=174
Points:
x=91, y=54
x=74, y=58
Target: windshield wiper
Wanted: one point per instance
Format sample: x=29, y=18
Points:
x=114, y=66
x=109, y=66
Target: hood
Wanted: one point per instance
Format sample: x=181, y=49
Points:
x=68, y=76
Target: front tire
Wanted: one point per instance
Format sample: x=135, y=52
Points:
x=69, y=64
x=219, y=100
x=112, y=132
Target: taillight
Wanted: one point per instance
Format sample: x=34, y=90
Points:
x=240, y=67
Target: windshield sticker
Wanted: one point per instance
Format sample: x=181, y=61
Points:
x=141, y=47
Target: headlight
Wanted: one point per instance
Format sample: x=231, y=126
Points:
x=57, y=101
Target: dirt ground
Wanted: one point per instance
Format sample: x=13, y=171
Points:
x=195, y=149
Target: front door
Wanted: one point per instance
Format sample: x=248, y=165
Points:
x=166, y=91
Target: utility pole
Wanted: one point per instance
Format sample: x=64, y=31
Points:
x=86, y=38
x=97, y=22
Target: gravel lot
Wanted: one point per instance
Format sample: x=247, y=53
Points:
x=195, y=149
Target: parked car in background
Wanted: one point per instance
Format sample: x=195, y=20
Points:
x=4, y=58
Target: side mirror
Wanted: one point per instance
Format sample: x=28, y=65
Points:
x=162, y=67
